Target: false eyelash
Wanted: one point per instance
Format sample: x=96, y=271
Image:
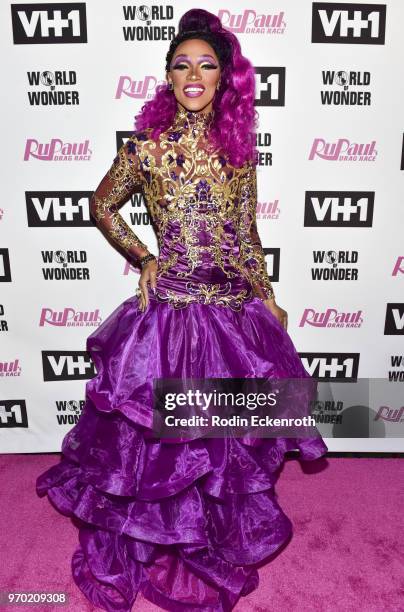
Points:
x=181, y=66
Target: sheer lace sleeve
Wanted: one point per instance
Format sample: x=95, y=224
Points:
x=113, y=191
x=252, y=256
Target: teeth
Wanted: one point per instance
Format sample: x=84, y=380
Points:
x=193, y=89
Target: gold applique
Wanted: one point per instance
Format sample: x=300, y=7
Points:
x=113, y=191
x=252, y=258
x=193, y=201
x=203, y=210
x=119, y=230
x=206, y=293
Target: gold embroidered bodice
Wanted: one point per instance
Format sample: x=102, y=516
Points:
x=202, y=207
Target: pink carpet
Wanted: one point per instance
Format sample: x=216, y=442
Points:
x=347, y=552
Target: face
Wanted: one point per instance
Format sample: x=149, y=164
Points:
x=195, y=74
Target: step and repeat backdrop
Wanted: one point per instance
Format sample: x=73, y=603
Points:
x=330, y=94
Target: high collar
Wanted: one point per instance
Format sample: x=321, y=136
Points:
x=195, y=121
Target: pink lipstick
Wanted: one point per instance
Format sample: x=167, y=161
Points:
x=193, y=91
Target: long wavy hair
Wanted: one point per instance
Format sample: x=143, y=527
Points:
x=235, y=118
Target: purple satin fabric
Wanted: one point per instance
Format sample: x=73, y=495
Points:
x=189, y=285
x=184, y=523
x=182, y=281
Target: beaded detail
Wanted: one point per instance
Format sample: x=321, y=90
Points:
x=206, y=293
x=203, y=209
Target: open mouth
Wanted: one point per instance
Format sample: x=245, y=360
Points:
x=193, y=90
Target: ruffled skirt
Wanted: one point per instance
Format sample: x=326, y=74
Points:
x=186, y=524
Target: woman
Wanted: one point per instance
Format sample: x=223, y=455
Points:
x=185, y=523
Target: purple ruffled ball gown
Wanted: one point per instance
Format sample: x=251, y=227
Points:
x=187, y=523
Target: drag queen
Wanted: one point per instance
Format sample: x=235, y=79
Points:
x=186, y=524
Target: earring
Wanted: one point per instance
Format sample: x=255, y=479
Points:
x=170, y=86
x=218, y=85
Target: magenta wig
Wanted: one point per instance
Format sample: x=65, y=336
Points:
x=235, y=118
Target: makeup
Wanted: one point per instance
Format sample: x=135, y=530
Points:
x=181, y=59
x=193, y=91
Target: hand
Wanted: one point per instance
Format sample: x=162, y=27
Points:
x=277, y=311
x=148, y=275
